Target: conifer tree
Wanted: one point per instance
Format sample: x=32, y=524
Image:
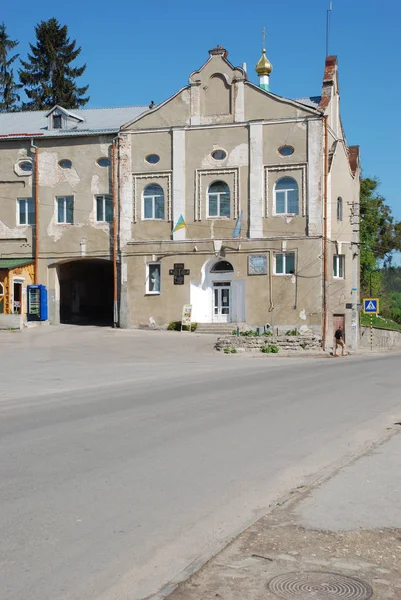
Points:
x=8, y=87
x=48, y=76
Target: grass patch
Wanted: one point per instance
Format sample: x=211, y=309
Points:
x=379, y=322
x=230, y=350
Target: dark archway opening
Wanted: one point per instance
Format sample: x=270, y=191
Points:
x=223, y=266
x=86, y=292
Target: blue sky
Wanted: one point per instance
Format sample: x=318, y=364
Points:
x=141, y=51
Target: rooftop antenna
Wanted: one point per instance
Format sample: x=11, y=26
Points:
x=328, y=26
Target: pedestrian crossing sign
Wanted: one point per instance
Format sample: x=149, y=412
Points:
x=371, y=306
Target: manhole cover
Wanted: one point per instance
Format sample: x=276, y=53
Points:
x=319, y=586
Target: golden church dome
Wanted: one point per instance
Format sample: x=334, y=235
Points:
x=264, y=66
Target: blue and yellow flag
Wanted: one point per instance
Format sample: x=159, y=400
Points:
x=238, y=226
x=180, y=224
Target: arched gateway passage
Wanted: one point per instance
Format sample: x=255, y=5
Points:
x=86, y=292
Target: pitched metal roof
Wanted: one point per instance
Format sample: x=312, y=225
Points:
x=13, y=263
x=313, y=101
x=95, y=120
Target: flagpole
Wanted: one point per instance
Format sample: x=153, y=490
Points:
x=328, y=26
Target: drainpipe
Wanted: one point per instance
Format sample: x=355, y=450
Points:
x=36, y=268
x=115, y=217
x=325, y=254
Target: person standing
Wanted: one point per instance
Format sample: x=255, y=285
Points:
x=339, y=339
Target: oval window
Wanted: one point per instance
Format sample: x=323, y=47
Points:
x=286, y=150
x=65, y=164
x=104, y=161
x=152, y=159
x=26, y=165
x=219, y=154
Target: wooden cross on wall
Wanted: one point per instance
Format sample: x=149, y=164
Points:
x=179, y=273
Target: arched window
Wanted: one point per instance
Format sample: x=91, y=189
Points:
x=153, y=202
x=223, y=266
x=218, y=199
x=339, y=209
x=286, y=196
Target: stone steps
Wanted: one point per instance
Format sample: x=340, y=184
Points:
x=219, y=329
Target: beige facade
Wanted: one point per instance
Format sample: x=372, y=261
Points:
x=220, y=150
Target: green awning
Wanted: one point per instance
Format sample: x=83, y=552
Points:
x=13, y=263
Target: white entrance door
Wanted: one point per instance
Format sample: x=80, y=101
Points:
x=221, y=302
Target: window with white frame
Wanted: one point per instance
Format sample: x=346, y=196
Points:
x=153, y=202
x=25, y=211
x=65, y=209
x=153, y=272
x=339, y=209
x=218, y=200
x=284, y=263
x=286, y=195
x=338, y=266
x=104, y=209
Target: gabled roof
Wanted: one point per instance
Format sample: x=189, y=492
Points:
x=307, y=103
x=91, y=121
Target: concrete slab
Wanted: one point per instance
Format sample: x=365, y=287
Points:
x=363, y=495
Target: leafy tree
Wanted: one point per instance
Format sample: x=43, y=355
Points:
x=47, y=75
x=380, y=235
x=8, y=87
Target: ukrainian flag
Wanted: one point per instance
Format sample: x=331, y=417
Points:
x=180, y=224
x=238, y=226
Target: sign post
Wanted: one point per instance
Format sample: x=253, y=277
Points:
x=186, y=316
x=371, y=307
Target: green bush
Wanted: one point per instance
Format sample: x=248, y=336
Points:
x=176, y=326
x=249, y=333
x=267, y=333
x=270, y=349
x=230, y=350
x=396, y=315
x=292, y=332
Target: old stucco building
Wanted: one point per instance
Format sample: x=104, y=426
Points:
x=265, y=188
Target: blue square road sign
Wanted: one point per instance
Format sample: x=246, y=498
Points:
x=371, y=306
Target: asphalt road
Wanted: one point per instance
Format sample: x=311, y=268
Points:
x=126, y=459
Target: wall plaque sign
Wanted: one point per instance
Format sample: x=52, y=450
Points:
x=257, y=264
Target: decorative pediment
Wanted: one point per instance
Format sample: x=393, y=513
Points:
x=217, y=90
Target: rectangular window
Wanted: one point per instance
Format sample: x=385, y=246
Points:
x=56, y=121
x=153, y=278
x=65, y=209
x=218, y=200
x=26, y=211
x=339, y=209
x=338, y=266
x=104, y=209
x=284, y=263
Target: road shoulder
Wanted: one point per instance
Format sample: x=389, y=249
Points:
x=343, y=532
